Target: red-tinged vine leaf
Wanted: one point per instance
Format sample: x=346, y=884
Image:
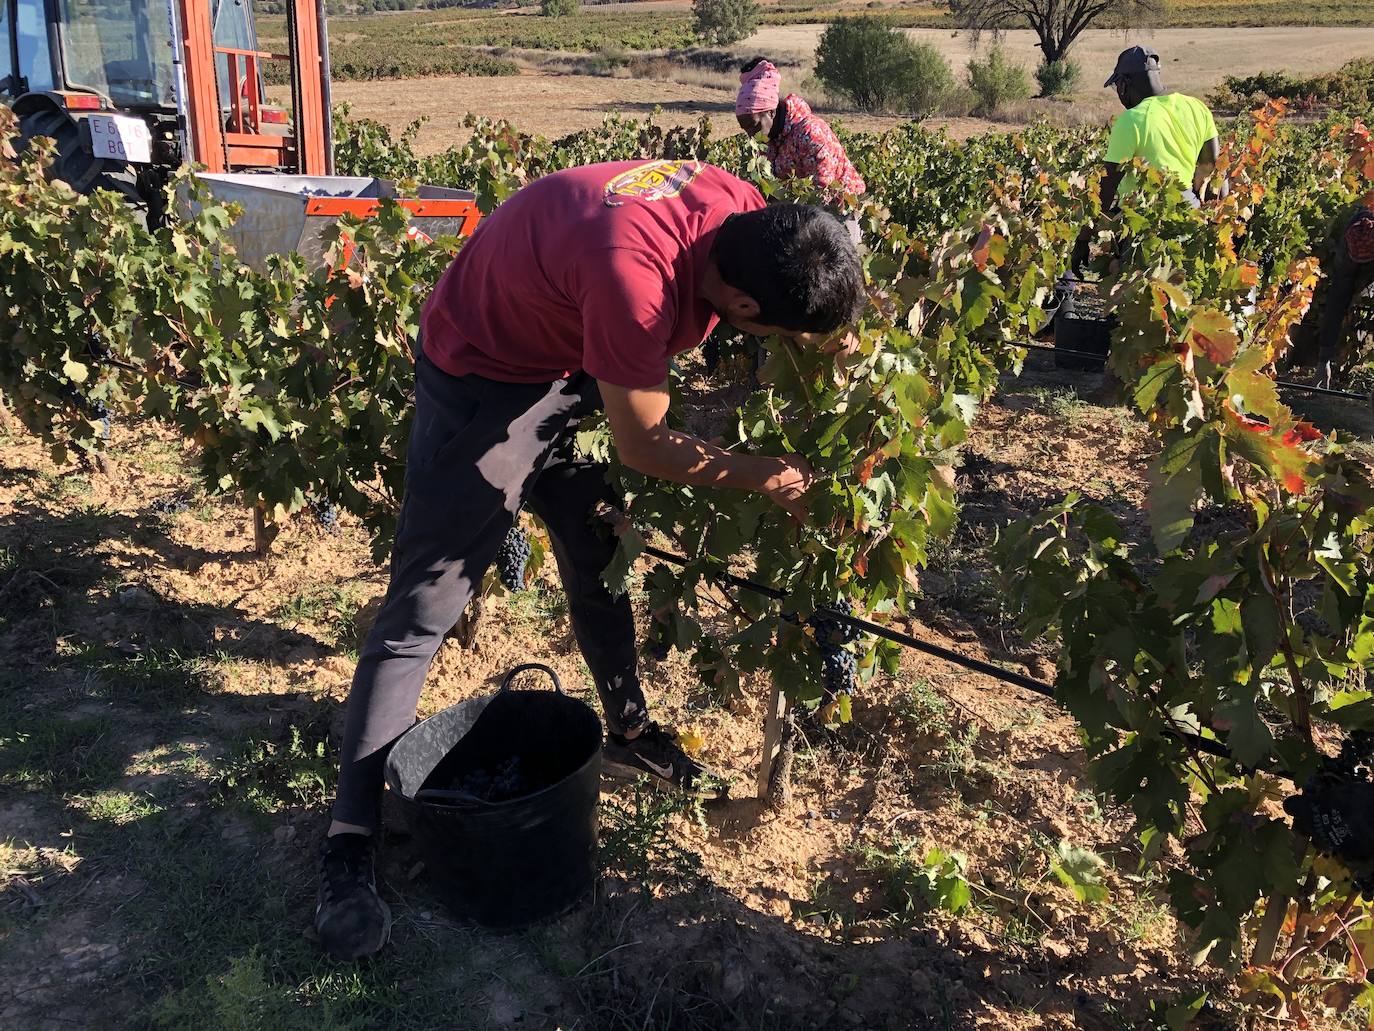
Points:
x=1288, y=462
x=1250, y=388
x=863, y=471
x=1213, y=334
x=1167, y=294
x=981, y=248
x=1249, y=274
x=1301, y=433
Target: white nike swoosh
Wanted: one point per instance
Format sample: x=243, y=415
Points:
x=665, y=772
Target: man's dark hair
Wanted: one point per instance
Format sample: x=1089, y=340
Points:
x=752, y=63
x=797, y=262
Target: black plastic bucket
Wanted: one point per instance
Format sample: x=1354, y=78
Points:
x=1084, y=336
x=1082, y=325
x=504, y=864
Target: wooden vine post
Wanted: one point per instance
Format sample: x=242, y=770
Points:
x=775, y=763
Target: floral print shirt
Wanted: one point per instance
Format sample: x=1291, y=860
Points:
x=807, y=148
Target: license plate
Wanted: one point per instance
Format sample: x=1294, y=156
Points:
x=119, y=138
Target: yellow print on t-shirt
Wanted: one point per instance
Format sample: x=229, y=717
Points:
x=653, y=180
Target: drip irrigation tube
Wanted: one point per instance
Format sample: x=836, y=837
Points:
x=1307, y=388
x=1039, y=687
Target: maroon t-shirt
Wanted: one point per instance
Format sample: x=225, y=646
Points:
x=593, y=268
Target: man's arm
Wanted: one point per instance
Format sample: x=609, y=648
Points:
x=1206, y=168
x=1111, y=182
x=646, y=444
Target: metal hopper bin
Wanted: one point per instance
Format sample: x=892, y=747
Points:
x=286, y=213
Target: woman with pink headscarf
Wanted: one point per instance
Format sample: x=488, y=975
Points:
x=800, y=143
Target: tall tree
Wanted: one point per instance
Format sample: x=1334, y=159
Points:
x=1057, y=23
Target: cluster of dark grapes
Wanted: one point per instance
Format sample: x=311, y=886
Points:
x=658, y=646
x=1335, y=808
x=511, y=558
x=505, y=782
x=839, y=667
x=172, y=504
x=1355, y=761
x=326, y=515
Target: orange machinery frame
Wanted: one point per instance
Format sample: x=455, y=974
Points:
x=223, y=144
x=233, y=141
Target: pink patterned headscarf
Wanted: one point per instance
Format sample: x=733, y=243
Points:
x=758, y=89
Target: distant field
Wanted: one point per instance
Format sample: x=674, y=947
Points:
x=638, y=25
x=482, y=42
x=554, y=102
x=622, y=27
x=461, y=40
x=1181, y=13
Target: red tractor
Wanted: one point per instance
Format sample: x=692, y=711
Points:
x=132, y=90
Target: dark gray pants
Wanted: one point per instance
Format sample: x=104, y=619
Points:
x=480, y=451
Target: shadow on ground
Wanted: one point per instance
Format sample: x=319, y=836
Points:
x=163, y=830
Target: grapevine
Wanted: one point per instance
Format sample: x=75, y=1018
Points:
x=1259, y=635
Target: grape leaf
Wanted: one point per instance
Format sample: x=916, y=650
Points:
x=1081, y=871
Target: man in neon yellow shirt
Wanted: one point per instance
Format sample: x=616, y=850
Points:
x=1168, y=131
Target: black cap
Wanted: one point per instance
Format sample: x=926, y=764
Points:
x=1135, y=61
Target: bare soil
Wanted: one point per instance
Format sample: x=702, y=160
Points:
x=791, y=921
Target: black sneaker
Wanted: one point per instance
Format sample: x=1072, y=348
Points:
x=351, y=919
x=655, y=754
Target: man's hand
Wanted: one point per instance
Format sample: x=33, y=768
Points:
x=788, y=486
x=648, y=445
x=842, y=345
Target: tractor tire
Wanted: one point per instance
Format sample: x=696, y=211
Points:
x=75, y=165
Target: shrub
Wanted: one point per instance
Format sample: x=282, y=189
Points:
x=879, y=68
x=558, y=8
x=1351, y=86
x=996, y=81
x=722, y=22
x=1058, y=77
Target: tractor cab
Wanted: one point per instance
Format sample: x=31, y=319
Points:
x=118, y=50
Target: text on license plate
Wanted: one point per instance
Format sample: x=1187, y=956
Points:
x=119, y=138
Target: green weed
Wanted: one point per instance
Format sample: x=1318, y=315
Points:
x=637, y=840
x=538, y=606
x=1062, y=403
x=329, y=607
x=915, y=882
x=267, y=776
x=158, y=677
x=43, y=750
x=954, y=758
x=117, y=807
